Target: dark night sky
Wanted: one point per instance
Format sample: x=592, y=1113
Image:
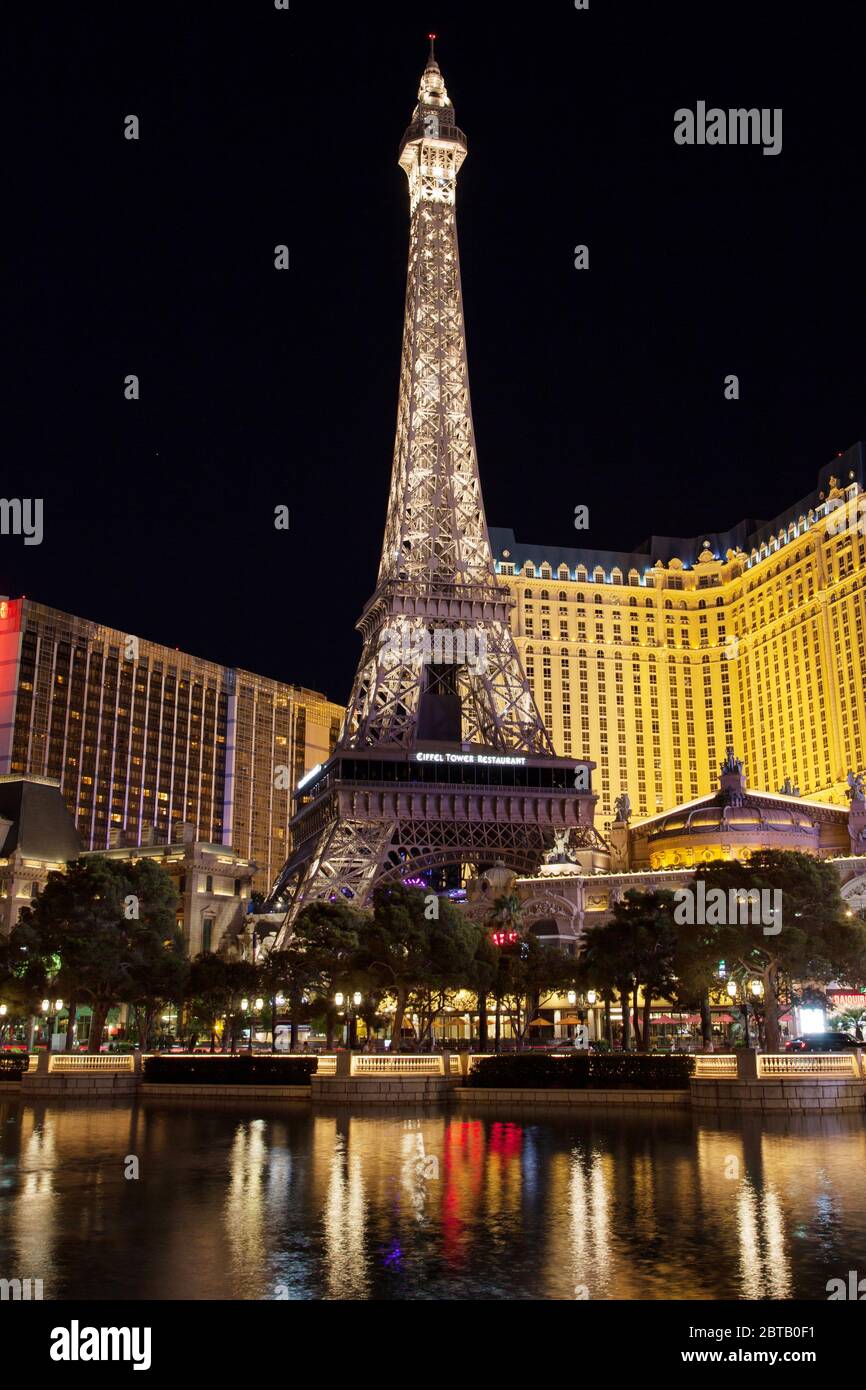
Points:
x=259, y=387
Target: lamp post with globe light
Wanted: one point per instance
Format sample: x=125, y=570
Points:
x=253, y=1008
x=50, y=1014
x=351, y=1014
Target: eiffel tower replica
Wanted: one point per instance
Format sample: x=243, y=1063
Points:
x=443, y=763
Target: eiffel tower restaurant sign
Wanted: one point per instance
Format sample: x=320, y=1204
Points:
x=443, y=765
x=492, y=759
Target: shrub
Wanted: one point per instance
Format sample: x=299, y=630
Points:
x=240, y=1070
x=645, y=1071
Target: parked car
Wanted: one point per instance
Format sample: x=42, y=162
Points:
x=822, y=1042
x=568, y=1046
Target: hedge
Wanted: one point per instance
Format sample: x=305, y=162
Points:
x=644, y=1071
x=240, y=1070
x=13, y=1065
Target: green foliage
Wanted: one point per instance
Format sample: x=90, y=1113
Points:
x=78, y=934
x=215, y=985
x=817, y=941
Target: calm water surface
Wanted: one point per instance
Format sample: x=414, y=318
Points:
x=261, y=1203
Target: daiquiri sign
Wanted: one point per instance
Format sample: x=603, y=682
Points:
x=846, y=999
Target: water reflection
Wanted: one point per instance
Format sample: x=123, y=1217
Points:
x=268, y=1203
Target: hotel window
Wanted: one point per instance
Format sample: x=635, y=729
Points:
x=207, y=933
x=208, y=883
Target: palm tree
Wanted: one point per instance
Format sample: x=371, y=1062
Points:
x=506, y=915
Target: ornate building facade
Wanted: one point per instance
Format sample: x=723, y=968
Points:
x=574, y=890
x=651, y=662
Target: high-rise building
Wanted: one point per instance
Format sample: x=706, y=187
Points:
x=652, y=661
x=144, y=739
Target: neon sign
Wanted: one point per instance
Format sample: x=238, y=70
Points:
x=488, y=759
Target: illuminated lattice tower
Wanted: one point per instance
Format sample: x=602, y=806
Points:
x=443, y=759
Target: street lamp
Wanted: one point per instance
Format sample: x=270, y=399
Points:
x=49, y=1017
x=732, y=989
x=357, y=1000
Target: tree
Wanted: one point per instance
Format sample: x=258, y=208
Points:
x=328, y=934
x=506, y=914
x=445, y=964
x=213, y=986
x=295, y=973
x=812, y=941
x=394, y=946
x=525, y=974
x=696, y=973
x=23, y=975
x=158, y=972
x=87, y=927
x=480, y=978
x=634, y=950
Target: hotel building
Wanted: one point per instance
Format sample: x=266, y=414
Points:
x=652, y=662
x=144, y=739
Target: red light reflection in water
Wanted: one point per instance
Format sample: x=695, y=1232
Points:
x=464, y=1163
x=506, y=1140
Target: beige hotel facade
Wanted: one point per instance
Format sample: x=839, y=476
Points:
x=651, y=662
